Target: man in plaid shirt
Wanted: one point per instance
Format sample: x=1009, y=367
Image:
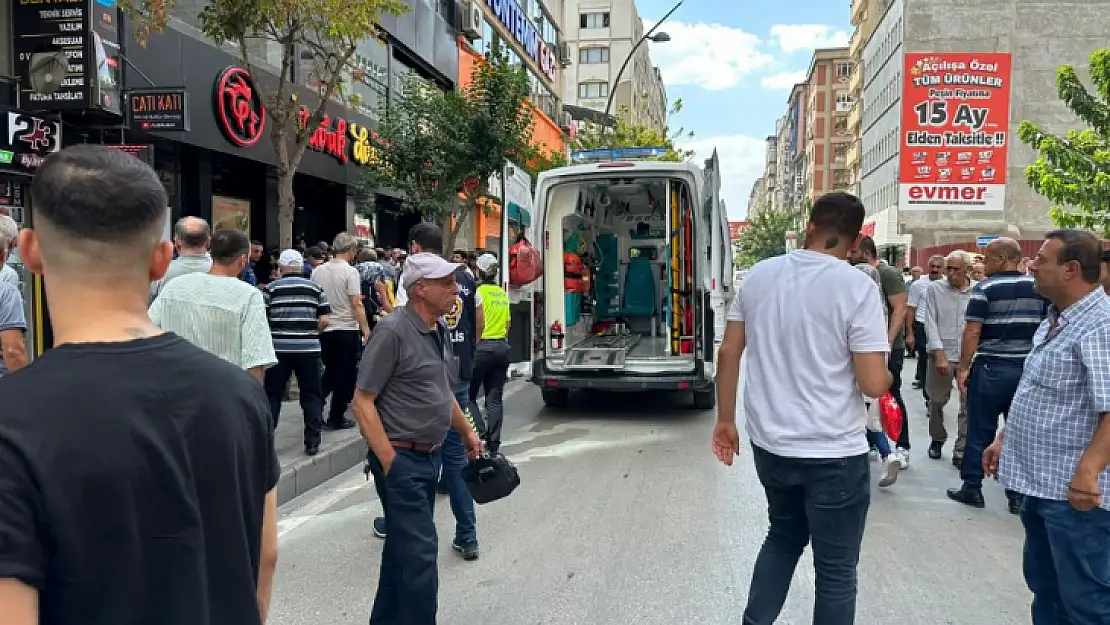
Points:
x=1056, y=446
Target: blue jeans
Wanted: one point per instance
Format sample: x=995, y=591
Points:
x=408, y=584
x=454, y=459
x=990, y=389
x=1066, y=563
x=880, y=441
x=818, y=500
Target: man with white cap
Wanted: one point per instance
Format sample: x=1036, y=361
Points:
x=297, y=310
x=405, y=406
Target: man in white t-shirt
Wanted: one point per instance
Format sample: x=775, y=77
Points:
x=816, y=340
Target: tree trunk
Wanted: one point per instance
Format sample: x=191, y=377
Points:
x=466, y=209
x=287, y=162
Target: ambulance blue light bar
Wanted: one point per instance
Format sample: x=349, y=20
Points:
x=616, y=154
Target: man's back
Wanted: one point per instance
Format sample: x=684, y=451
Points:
x=223, y=315
x=181, y=266
x=340, y=282
x=805, y=313
x=132, y=482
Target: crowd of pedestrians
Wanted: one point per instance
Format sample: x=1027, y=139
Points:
x=137, y=459
x=1028, y=339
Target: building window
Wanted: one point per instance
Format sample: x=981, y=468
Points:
x=843, y=69
x=840, y=126
x=593, y=20
x=592, y=56
x=591, y=90
x=840, y=154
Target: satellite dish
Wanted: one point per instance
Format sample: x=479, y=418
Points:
x=47, y=70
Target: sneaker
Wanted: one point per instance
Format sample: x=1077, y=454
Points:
x=874, y=454
x=379, y=527
x=903, y=455
x=467, y=549
x=891, y=466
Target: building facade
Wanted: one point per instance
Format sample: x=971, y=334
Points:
x=828, y=102
x=865, y=17
x=794, y=152
x=600, y=36
x=1039, y=37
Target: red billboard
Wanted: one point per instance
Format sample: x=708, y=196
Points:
x=955, y=131
x=735, y=229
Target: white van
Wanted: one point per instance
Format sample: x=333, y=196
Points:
x=637, y=269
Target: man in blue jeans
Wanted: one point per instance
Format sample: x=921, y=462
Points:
x=1056, y=446
x=1002, y=316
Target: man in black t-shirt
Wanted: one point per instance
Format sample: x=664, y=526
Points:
x=137, y=471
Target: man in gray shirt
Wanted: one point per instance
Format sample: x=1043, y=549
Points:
x=404, y=406
x=945, y=306
x=191, y=237
x=13, y=325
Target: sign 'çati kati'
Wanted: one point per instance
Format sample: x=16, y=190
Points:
x=158, y=109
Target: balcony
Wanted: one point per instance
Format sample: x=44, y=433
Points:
x=859, y=11
x=855, y=81
x=852, y=160
x=854, y=117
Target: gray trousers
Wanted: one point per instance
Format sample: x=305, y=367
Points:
x=939, y=388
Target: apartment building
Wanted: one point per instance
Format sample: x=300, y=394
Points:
x=865, y=17
x=600, y=36
x=755, y=197
x=769, y=190
x=828, y=102
x=1039, y=38
x=794, y=152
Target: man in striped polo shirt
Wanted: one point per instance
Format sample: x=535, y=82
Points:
x=1002, y=316
x=297, y=310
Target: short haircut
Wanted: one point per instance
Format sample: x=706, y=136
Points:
x=367, y=256
x=428, y=236
x=314, y=252
x=97, y=206
x=1106, y=254
x=344, y=243
x=256, y=242
x=867, y=246
x=9, y=230
x=960, y=254
x=939, y=257
x=838, y=213
x=192, y=231
x=1082, y=247
x=228, y=245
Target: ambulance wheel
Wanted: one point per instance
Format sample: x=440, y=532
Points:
x=555, y=397
x=706, y=398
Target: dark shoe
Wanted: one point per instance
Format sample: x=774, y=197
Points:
x=312, y=450
x=1015, y=506
x=957, y=461
x=345, y=424
x=967, y=496
x=916, y=385
x=935, y=449
x=468, y=549
x=379, y=527
x=441, y=488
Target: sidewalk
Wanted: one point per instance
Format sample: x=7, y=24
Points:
x=339, y=451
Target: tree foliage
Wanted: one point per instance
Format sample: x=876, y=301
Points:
x=625, y=133
x=764, y=237
x=1073, y=171
x=327, y=31
x=439, y=149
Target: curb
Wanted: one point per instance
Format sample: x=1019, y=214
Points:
x=334, y=458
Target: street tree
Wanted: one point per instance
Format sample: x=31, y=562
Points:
x=316, y=40
x=1073, y=170
x=439, y=149
x=626, y=133
x=764, y=237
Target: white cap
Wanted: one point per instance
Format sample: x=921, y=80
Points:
x=486, y=262
x=291, y=258
x=426, y=266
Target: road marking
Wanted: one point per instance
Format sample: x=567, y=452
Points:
x=319, y=505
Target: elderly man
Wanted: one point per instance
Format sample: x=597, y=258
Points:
x=405, y=407
x=1056, y=445
x=191, y=238
x=9, y=230
x=1002, y=316
x=915, y=319
x=347, y=331
x=945, y=308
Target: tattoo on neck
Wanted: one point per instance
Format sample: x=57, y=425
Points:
x=136, y=333
x=832, y=242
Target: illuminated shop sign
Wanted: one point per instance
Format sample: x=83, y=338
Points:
x=525, y=33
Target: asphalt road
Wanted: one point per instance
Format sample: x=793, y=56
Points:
x=625, y=517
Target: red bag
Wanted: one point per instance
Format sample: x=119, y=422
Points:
x=524, y=263
x=891, y=416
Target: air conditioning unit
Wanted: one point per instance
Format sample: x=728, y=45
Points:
x=472, y=20
x=565, y=121
x=564, y=54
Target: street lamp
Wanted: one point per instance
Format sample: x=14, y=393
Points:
x=660, y=37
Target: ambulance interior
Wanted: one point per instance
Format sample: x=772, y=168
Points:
x=626, y=274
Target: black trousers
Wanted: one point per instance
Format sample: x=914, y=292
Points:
x=491, y=370
x=307, y=369
x=340, y=350
x=920, y=340
x=897, y=359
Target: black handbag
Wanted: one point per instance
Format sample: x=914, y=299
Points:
x=490, y=477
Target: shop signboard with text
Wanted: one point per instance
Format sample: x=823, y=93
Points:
x=26, y=140
x=164, y=109
x=955, y=131
x=524, y=32
x=343, y=140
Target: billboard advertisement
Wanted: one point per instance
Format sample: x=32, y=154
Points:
x=955, y=131
x=735, y=229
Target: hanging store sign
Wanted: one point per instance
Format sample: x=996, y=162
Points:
x=524, y=31
x=955, y=131
x=341, y=139
x=158, y=109
x=143, y=152
x=26, y=140
x=240, y=113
